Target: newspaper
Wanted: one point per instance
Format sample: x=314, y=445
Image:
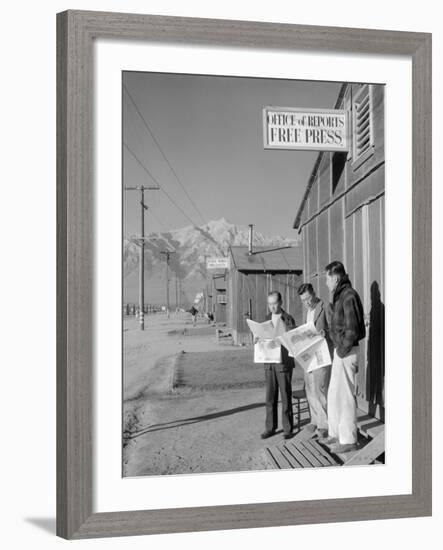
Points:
x=315, y=357
x=307, y=346
x=268, y=347
x=262, y=330
x=267, y=351
x=299, y=339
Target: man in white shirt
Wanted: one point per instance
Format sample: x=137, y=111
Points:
x=278, y=376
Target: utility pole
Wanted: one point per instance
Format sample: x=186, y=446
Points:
x=205, y=293
x=179, y=292
x=167, y=254
x=176, y=291
x=141, y=243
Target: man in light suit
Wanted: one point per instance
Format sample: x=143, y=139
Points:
x=317, y=381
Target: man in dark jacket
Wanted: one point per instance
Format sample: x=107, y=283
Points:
x=347, y=328
x=278, y=376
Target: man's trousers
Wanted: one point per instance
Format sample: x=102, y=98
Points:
x=342, y=404
x=316, y=387
x=278, y=377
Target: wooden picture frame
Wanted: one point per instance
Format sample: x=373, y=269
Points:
x=76, y=31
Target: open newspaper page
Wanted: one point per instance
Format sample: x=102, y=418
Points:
x=268, y=348
x=307, y=346
x=267, y=351
x=315, y=357
x=262, y=330
x=299, y=339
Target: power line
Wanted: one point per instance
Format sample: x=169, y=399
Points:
x=151, y=133
x=211, y=240
x=141, y=163
x=155, y=181
x=159, y=221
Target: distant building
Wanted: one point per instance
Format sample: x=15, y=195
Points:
x=342, y=217
x=251, y=276
x=219, y=298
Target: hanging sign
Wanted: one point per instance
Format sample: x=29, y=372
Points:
x=305, y=129
x=220, y=262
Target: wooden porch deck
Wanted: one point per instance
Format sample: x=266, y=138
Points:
x=305, y=451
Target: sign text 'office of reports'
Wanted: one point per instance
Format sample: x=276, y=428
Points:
x=305, y=129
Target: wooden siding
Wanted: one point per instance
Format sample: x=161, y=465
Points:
x=347, y=224
x=324, y=176
x=312, y=248
x=349, y=246
x=219, y=309
x=322, y=241
x=336, y=221
x=313, y=198
x=376, y=311
x=248, y=297
x=322, y=254
x=370, y=188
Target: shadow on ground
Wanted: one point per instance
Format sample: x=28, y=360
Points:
x=194, y=420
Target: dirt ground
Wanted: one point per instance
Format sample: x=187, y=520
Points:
x=191, y=404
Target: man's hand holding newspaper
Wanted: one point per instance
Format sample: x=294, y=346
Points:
x=267, y=347
x=308, y=347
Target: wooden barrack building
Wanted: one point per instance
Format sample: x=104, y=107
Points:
x=219, y=297
x=341, y=217
x=252, y=275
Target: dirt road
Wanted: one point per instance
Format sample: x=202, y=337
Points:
x=190, y=404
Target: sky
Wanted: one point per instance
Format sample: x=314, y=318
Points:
x=210, y=130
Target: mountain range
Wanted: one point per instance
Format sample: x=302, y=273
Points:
x=188, y=247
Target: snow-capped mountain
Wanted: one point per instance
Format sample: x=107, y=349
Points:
x=189, y=246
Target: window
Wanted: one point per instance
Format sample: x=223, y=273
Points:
x=221, y=298
x=362, y=110
x=338, y=167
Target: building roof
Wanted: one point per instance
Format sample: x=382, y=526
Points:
x=313, y=175
x=265, y=258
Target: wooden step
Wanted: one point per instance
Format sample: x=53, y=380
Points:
x=372, y=429
x=323, y=454
x=304, y=453
x=368, y=425
x=369, y=453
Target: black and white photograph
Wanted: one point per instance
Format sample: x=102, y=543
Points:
x=253, y=268
x=220, y=288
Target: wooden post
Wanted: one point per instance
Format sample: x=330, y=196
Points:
x=176, y=291
x=141, y=270
x=167, y=254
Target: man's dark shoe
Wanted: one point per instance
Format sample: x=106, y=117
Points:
x=265, y=435
x=287, y=436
